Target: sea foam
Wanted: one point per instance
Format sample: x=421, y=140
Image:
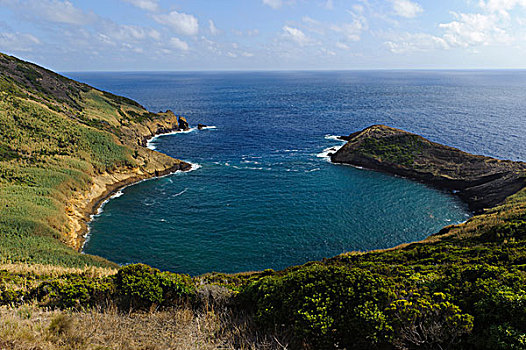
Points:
x=332, y=149
x=151, y=142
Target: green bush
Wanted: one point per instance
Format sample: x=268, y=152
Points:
x=10, y=296
x=325, y=306
x=75, y=291
x=427, y=322
x=140, y=286
x=514, y=229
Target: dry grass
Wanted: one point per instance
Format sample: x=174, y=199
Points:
x=57, y=271
x=30, y=327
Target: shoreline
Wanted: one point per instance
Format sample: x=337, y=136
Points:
x=479, y=181
x=136, y=176
x=81, y=210
x=147, y=142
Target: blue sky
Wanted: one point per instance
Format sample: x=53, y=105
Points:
x=129, y=35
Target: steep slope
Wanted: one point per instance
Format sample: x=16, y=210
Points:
x=480, y=181
x=64, y=146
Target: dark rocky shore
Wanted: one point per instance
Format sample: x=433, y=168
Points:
x=482, y=182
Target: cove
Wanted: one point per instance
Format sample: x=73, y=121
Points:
x=263, y=197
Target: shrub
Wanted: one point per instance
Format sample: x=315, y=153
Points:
x=514, y=229
x=501, y=318
x=324, y=306
x=75, y=292
x=424, y=322
x=140, y=286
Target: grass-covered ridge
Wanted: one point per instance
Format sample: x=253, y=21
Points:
x=57, y=136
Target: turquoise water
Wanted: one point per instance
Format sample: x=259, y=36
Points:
x=263, y=196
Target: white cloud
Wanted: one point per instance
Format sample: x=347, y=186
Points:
x=313, y=25
x=212, y=27
x=473, y=29
x=492, y=26
x=148, y=5
x=415, y=42
x=182, y=23
x=358, y=8
x=296, y=35
x=247, y=54
x=154, y=34
x=114, y=34
x=52, y=11
x=406, y=8
x=352, y=30
x=17, y=42
x=127, y=32
x=342, y=46
x=501, y=5
x=275, y=4
x=328, y=52
x=179, y=44
x=329, y=5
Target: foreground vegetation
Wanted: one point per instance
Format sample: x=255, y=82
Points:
x=463, y=288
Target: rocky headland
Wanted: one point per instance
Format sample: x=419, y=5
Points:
x=482, y=182
x=73, y=145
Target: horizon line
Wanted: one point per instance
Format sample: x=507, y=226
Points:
x=295, y=70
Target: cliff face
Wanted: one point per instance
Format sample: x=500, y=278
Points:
x=482, y=182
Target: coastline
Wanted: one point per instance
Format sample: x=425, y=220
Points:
x=494, y=212
x=81, y=209
x=108, y=185
x=479, y=181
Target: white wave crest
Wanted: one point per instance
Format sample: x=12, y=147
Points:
x=194, y=167
x=333, y=137
x=180, y=193
x=150, y=143
x=326, y=153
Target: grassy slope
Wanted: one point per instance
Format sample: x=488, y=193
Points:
x=56, y=135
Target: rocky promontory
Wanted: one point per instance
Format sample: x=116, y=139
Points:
x=482, y=182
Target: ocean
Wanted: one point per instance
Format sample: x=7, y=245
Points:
x=263, y=193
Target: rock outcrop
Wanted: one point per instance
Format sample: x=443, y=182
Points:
x=163, y=122
x=480, y=181
x=183, y=124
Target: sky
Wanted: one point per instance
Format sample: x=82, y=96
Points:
x=162, y=35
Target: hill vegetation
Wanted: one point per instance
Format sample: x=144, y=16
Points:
x=58, y=137
x=462, y=288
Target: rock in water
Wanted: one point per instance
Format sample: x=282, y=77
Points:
x=201, y=126
x=183, y=124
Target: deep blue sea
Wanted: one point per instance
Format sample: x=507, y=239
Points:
x=263, y=196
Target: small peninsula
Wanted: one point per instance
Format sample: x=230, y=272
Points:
x=482, y=182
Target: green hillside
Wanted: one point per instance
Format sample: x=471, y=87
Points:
x=56, y=135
